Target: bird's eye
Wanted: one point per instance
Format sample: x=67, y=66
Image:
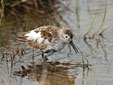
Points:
x=66, y=36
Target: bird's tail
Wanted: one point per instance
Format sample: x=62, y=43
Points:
x=19, y=36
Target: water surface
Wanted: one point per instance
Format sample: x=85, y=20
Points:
x=64, y=68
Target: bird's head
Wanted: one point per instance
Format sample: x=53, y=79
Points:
x=67, y=37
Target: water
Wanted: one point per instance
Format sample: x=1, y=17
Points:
x=63, y=70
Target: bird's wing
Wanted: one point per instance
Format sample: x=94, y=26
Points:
x=38, y=38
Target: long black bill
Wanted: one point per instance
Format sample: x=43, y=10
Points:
x=75, y=48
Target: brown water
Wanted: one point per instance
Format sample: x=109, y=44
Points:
x=17, y=68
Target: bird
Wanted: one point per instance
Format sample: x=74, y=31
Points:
x=47, y=39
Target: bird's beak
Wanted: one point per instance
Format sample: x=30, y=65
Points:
x=73, y=46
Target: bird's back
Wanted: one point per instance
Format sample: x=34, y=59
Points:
x=40, y=38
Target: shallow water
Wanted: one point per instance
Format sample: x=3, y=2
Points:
x=63, y=70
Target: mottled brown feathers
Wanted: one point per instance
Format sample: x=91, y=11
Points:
x=47, y=32
x=35, y=45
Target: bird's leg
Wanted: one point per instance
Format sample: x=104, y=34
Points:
x=48, y=52
x=44, y=57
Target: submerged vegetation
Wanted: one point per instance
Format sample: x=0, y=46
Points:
x=92, y=35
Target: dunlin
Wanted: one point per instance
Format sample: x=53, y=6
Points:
x=47, y=39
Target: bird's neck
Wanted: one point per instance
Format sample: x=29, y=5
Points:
x=60, y=34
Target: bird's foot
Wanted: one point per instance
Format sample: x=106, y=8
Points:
x=44, y=57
